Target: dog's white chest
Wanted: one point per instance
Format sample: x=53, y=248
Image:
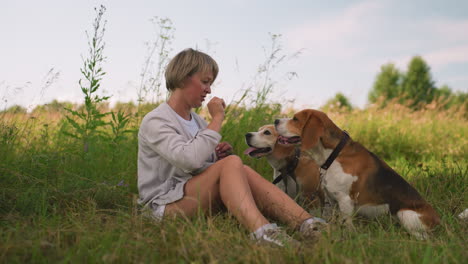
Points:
x=337, y=182
x=338, y=185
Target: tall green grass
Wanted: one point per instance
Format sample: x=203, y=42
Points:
x=57, y=205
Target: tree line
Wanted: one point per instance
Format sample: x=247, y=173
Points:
x=414, y=88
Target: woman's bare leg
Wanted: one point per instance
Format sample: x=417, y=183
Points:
x=225, y=181
x=273, y=202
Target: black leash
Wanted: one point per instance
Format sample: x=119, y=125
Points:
x=290, y=168
x=278, y=179
x=323, y=169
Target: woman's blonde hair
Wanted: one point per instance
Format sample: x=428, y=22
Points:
x=187, y=63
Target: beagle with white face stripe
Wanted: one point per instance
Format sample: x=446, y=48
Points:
x=357, y=180
x=264, y=143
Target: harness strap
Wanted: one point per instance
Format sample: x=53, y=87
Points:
x=289, y=168
x=278, y=179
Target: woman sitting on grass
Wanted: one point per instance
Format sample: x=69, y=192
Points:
x=183, y=167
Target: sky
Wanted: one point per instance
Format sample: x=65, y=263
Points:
x=330, y=46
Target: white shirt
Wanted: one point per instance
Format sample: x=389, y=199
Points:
x=191, y=126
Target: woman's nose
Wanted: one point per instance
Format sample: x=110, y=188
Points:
x=208, y=89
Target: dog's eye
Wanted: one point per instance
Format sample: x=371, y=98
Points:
x=294, y=118
x=267, y=132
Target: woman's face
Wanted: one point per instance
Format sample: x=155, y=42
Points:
x=196, y=87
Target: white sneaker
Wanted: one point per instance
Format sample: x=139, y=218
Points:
x=276, y=237
x=311, y=229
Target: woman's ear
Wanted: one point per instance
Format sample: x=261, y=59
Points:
x=311, y=132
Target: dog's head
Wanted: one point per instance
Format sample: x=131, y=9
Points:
x=262, y=142
x=305, y=128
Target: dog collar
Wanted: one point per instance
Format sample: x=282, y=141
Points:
x=336, y=151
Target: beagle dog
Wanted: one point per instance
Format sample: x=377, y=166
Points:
x=263, y=143
x=295, y=170
x=291, y=170
x=352, y=177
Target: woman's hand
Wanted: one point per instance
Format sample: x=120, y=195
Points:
x=216, y=108
x=223, y=150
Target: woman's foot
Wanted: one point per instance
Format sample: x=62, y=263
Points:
x=311, y=229
x=272, y=235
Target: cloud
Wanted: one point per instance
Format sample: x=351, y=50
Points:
x=372, y=32
x=333, y=34
x=444, y=57
x=449, y=31
x=437, y=59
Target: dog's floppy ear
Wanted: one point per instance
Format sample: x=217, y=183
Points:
x=312, y=131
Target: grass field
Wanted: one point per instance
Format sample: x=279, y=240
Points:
x=61, y=204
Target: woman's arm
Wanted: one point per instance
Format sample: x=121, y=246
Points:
x=216, y=109
x=163, y=136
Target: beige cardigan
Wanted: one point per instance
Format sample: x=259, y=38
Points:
x=168, y=156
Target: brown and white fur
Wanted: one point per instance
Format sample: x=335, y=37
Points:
x=263, y=143
x=357, y=181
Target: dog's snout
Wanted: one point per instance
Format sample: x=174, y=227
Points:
x=248, y=135
x=276, y=122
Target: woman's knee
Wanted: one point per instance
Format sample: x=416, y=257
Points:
x=232, y=166
x=232, y=161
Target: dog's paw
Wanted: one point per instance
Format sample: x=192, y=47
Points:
x=347, y=222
